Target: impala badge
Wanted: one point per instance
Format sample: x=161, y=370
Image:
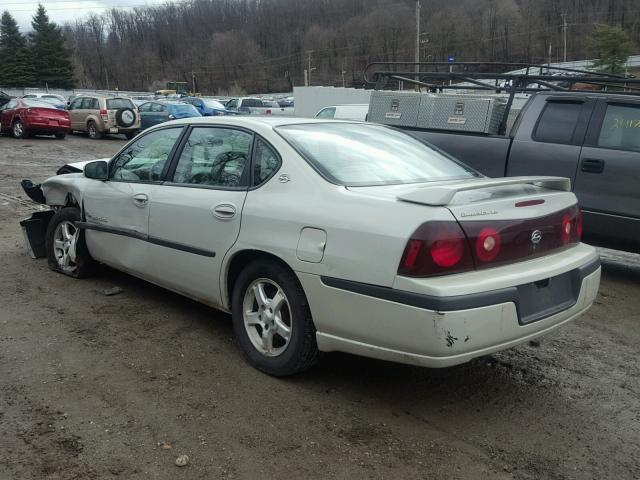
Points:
x=536, y=237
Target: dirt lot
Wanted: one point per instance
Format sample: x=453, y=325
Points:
x=117, y=387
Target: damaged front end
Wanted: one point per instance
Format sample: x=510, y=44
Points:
x=35, y=227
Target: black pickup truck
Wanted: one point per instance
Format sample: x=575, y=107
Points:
x=591, y=138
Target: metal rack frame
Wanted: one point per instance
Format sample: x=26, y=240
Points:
x=479, y=75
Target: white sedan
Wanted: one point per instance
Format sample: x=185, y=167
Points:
x=327, y=236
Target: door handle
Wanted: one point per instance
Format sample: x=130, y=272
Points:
x=140, y=200
x=592, y=165
x=224, y=211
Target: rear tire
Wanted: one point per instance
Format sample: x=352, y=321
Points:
x=130, y=135
x=92, y=130
x=60, y=136
x=19, y=131
x=279, y=341
x=62, y=235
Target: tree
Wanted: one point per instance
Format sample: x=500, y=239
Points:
x=612, y=46
x=16, y=69
x=51, y=57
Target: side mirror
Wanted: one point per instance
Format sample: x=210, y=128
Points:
x=98, y=170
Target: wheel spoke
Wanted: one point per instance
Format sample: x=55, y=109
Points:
x=59, y=244
x=277, y=301
x=260, y=294
x=65, y=260
x=252, y=319
x=282, y=329
x=267, y=339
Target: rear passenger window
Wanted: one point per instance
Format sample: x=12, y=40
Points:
x=265, y=162
x=621, y=128
x=216, y=157
x=558, y=122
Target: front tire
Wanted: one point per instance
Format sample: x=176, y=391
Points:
x=66, y=249
x=272, y=320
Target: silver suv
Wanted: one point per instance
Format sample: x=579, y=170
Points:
x=98, y=115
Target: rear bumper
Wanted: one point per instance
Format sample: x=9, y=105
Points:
x=451, y=332
x=46, y=127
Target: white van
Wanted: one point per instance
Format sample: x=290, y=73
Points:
x=345, y=112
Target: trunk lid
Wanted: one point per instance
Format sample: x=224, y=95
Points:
x=499, y=220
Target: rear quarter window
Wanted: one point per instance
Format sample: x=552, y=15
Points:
x=117, y=103
x=558, y=122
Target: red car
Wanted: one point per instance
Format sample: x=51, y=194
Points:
x=23, y=117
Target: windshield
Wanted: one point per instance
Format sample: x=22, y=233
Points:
x=354, y=154
x=213, y=104
x=116, y=103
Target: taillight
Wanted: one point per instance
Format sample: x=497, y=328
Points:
x=104, y=113
x=487, y=244
x=268, y=112
x=566, y=229
x=436, y=248
x=579, y=225
x=440, y=248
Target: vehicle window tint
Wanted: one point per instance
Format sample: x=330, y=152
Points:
x=76, y=104
x=558, y=122
x=215, y=157
x=144, y=159
x=232, y=104
x=621, y=128
x=145, y=107
x=328, y=112
x=117, y=103
x=265, y=162
x=11, y=104
x=29, y=96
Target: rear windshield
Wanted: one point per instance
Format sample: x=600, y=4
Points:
x=36, y=103
x=116, y=103
x=213, y=104
x=184, y=109
x=252, y=102
x=354, y=154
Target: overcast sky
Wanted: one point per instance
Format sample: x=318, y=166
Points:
x=61, y=11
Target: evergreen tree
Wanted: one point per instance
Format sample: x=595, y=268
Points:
x=612, y=46
x=16, y=69
x=51, y=57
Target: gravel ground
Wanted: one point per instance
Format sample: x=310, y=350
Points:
x=118, y=387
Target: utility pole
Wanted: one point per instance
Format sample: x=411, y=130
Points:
x=417, y=53
x=309, y=52
x=344, y=66
x=565, y=27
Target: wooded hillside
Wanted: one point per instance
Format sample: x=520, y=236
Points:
x=263, y=45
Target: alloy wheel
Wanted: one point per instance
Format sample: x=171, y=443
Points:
x=18, y=130
x=65, y=239
x=267, y=317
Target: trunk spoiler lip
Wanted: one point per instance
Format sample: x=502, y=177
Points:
x=442, y=195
